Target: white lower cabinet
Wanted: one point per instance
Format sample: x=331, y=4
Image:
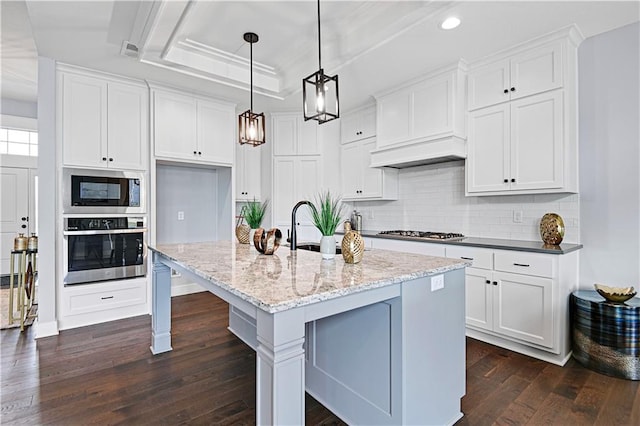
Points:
x=519, y=300
x=407, y=246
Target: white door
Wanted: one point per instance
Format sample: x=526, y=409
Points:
x=14, y=210
x=478, y=298
x=522, y=308
x=351, y=164
x=371, y=176
x=174, y=124
x=488, y=85
x=127, y=124
x=215, y=132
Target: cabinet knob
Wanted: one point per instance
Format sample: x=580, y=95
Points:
x=110, y=159
x=25, y=218
x=104, y=158
x=506, y=90
x=506, y=180
x=513, y=89
x=195, y=152
x=495, y=283
x=199, y=153
x=23, y=226
x=513, y=180
x=488, y=281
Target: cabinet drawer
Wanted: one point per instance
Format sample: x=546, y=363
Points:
x=481, y=258
x=101, y=299
x=524, y=263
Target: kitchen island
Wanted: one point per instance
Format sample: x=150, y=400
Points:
x=379, y=342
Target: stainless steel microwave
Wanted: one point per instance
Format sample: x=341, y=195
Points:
x=103, y=192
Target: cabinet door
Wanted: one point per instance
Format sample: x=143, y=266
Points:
x=308, y=179
x=367, y=126
x=537, y=142
x=284, y=130
x=247, y=171
x=351, y=164
x=371, y=176
x=127, y=126
x=487, y=85
x=174, y=126
x=284, y=195
x=393, y=118
x=488, y=155
x=479, y=298
x=307, y=137
x=523, y=308
x=215, y=132
x=536, y=70
x=431, y=108
x=84, y=121
x=350, y=128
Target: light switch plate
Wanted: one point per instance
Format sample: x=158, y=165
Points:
x=180, y=215
x=437, y=282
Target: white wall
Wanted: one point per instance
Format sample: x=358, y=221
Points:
x=431, y=198
x=609, y=158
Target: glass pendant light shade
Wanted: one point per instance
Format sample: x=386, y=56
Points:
x=320, y=97
x=251, y=124
x=251, y=128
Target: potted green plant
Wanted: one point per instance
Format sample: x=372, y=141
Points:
x=326, y=214
x=254, y=213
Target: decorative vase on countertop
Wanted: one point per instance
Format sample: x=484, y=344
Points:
x=552, y=228
x=352, y=245
x=20, y=242
x=328, y=246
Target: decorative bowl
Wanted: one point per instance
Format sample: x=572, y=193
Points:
x=552, y=228
x=615, y=294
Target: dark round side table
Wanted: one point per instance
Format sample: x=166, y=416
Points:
x=606, y=336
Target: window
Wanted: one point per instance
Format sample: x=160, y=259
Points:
x=18, y=142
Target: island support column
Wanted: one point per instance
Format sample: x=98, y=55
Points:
x=161, y=307
x=280, y=367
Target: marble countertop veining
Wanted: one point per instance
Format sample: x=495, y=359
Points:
x=288, y=279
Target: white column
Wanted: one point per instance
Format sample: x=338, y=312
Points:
x=161, y=307
x=280, y=368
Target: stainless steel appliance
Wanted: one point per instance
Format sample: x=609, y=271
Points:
x=451, y=236
x=103, y=192
x=108, y=248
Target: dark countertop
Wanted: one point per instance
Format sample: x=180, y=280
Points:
x=494, y=243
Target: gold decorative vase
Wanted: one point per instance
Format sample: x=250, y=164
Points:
x=352, y=245
x=551, y=229
x=267, y=242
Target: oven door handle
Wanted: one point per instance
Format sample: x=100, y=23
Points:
x=106, y=231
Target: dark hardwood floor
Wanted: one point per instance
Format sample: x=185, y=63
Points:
x=105, y=374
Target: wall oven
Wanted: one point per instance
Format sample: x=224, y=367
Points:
x=103, y=192
x=100, y=249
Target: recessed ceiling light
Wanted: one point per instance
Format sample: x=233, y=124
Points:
x=450, y=23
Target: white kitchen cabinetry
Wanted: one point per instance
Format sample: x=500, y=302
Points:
x=525, y=141
x=362, y=182
x=104, y=121
x=519, y=300
x=427, y=115
x=248, y=171
x=407, y=246
x=533, y=71
x=517, y=146
x=296, y=178
x=192, y=129
x=360, y=124
x=293, y=136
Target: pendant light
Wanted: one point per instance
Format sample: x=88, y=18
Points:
x=251, y=124
x=320, y=91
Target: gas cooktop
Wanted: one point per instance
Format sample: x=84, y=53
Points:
x=424, y=234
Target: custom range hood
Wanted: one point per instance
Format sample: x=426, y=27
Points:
x=423, y=121
x=451, y=148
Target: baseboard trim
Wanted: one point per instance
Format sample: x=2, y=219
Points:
x=45, y=329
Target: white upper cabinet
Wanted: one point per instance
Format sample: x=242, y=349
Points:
x=358, y=125
x=525, y=141
x=362, y=182
x=104, y=122
x=533, y=71
x=248, y=169
x=193, y=129
x=293, y=136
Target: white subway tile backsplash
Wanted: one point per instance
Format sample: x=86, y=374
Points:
x=432, y=198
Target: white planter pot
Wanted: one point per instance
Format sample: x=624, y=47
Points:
x=328, y=247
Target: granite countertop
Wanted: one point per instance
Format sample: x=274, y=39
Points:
x=288, y=279
x=495, y=243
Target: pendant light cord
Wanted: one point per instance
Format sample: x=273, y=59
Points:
x=251, y=72
x=319, y=48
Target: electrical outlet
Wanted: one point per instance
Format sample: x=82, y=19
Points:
x=517, y=216
x=180, y=215
x=437, y=282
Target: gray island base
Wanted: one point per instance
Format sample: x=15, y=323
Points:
x=379, y=342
